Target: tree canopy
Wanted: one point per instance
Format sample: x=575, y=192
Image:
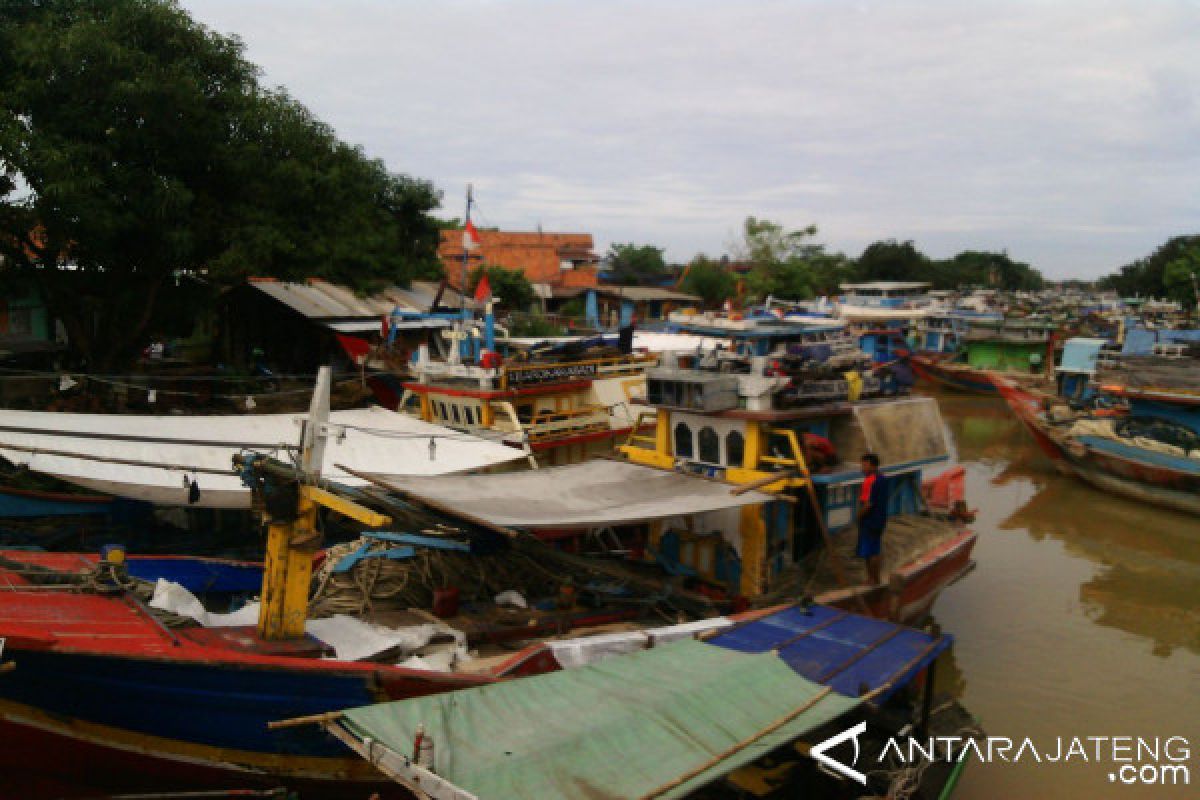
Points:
x=709, y=279
x=636, y=265
x=509, y=286
x=1163, y=273
x=787, y=264
x=136, y=145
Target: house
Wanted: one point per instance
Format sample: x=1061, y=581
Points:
x=609, y=306
x=556, y=259
x=296, y=325
x=28, y=335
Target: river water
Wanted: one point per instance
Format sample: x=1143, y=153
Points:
x=1081, y=619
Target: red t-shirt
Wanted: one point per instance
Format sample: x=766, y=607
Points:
x=864, y=496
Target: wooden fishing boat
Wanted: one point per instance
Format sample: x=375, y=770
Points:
x=33, y=503
x=942, y=370
x=181, y=460
x=747, y=416
x=1111, y=465
x=740, y=713
x=1020, y=349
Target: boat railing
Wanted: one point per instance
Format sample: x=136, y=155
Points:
x=636, y=437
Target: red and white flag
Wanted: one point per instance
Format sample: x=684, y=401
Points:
x=483, y=289
x=471, y=240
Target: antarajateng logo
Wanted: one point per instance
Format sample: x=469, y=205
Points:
x=1155, y=761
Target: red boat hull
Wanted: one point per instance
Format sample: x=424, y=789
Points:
x=957, y=377
x=1144, y=476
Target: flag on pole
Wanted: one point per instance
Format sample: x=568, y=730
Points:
x=483, y=289
x=471, y=240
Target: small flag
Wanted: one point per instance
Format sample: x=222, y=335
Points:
x=356, y=348
x=483, y=289
x=471, y=240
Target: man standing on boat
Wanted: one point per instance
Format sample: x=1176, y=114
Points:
x=872, y=516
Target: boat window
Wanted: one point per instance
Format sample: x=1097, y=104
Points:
x=469, y=415
x=710, y=446
x=442, y=410
x=454, y=411
x=683, y=441
x=735, y=448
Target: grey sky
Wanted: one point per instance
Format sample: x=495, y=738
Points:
x=1066, y=133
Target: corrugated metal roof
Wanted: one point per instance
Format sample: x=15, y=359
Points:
x=321, y=300
x=647, y=293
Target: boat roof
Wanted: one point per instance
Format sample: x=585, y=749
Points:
x=376, y=441
x=593, y=493
x=661, y=722
x=645, y=724
x=886, y=286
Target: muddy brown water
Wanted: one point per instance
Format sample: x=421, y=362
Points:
x=1081, y=619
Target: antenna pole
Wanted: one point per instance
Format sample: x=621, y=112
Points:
x=466, y=250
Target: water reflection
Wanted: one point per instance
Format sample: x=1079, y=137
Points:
x=1081, y=617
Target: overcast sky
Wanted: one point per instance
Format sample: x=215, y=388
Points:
x=1066, y=133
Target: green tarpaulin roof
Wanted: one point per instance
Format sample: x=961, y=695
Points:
x=626, y=727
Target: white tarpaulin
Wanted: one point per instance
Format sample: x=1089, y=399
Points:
x=588, y=495
x=376, y=441
x=351, y=638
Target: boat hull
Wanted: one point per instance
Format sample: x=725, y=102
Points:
x=911, y=591
x=957, y=377
x=1131, y=472
x=88, y=722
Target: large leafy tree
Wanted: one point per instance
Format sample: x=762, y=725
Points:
x=1180, y=277
x=787, y=264
x=636, y=265
x=136, y=146
x=1147, y=277
x=509, y=286
x=893, y=261
x=980, y=268
x=709, y=279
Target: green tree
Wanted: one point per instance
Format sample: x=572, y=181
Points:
x=136, y=145
x=977, y=268
x=1146, y=277
x=635, y=265
x=709, y=279
x=785, y=264
x=893, y=261
x=1180, y=277
x=509, y=286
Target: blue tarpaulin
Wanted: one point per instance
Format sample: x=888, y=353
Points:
x=851, y=653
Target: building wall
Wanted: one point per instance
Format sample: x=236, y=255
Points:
x=23, y=316
x=538, y=255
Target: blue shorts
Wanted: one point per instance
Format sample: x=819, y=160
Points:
x=870, y=541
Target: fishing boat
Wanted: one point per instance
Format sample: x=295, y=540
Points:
x=558, y=401
x=1020, y=349
x=125, y=674
x=884, y=314
x=748, y=416
x=36, y=503
x=183, y=460
x=747, y=710
x=1126, y=455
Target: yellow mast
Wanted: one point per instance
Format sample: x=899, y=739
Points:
x=292, y=538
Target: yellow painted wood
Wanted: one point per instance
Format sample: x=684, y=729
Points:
x=753, y=446
x=346, y=508
x=662, y=432
x=754, y=551
x=275, y=569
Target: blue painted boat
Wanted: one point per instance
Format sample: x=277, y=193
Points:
x=27, y=503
